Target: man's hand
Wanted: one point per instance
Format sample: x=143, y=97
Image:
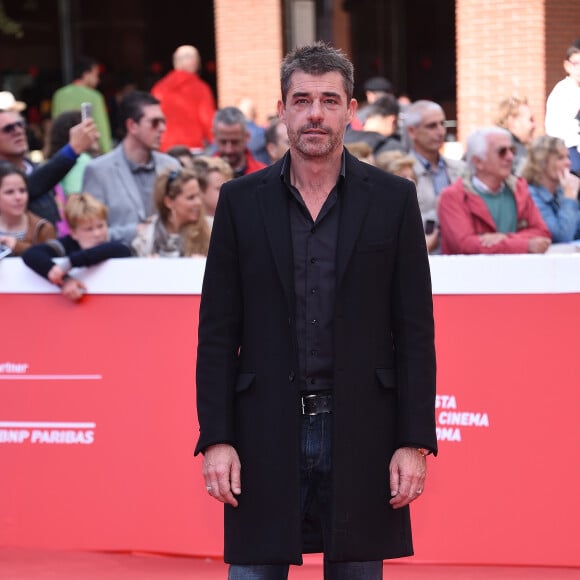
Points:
x=221, y=472
x=538, y=245
x=83, y=136
x=491, y=239
x=407, y=470
x=73, y=289
x=432, y=239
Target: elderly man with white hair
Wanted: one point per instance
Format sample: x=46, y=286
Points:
x=490, y=211
x=187, y=102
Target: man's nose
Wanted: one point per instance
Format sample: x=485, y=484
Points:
x=315, y=111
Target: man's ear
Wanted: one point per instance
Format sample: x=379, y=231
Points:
x=352, y=107
x=281, y=111
x=130, y=125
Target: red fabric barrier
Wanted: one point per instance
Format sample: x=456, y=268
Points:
x=98, y=425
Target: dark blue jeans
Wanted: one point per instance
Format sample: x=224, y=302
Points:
x=315, y=493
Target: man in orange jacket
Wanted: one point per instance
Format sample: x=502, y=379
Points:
x=186, y=101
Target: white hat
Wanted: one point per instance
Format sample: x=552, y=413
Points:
x=9, y=103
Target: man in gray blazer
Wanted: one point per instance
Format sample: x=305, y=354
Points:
x=124, y=179
x=425, y=124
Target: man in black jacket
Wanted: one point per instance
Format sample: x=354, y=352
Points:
x=316, y=359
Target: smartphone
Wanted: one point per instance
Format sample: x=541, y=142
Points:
x=4, y=251
x=86, y=111
x=429, y=226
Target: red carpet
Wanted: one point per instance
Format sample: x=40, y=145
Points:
x=26, y=564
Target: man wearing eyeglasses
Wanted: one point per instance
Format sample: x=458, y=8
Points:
x=490, y=211
x=563, y=107
x=124, y=178
x=424, y=122
x=42, y=178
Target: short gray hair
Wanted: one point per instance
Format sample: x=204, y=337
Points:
x=316, y=59
x=478, y=144
x=414, y=112
x=229, y=116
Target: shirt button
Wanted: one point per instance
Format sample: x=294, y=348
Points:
x=314, y=321
x=314, y=290
x=313, y=230
x=313, y=260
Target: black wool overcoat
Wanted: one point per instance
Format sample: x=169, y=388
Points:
x=247, y=365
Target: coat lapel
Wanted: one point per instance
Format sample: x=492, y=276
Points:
x=273, y=202
x=355, y=201
x=129, y=188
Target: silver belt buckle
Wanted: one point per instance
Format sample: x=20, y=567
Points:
x=302, y=398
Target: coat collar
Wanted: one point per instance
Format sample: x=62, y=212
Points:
x=272, y=197
x=354, y=206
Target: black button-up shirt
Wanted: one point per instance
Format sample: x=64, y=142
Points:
x=314, y=244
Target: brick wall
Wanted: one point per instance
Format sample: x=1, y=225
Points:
x=513, y=47
x=249, y=46
x=500, y=52
x=562, y=27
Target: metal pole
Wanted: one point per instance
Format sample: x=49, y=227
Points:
x=66, y=58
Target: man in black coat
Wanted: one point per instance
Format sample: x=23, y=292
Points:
x=316, y=360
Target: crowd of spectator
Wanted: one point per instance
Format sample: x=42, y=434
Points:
x=153, y=189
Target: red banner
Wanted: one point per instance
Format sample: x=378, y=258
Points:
x=98, y=425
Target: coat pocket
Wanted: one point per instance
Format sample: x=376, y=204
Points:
x=371, y=247
x=386, y=378
x=244, y=381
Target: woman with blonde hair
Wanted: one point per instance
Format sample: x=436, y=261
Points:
x=397, y=163
x=213, y=172
x=179, y=229
x=553, y=187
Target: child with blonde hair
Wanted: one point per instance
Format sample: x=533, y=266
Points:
x=87, y=244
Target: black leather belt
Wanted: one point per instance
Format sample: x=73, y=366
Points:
x=316, y=403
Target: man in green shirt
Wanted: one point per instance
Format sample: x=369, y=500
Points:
x=83, y=90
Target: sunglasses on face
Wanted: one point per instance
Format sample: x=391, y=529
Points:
x=503, y=151
x=155, y=122
x=11, y=127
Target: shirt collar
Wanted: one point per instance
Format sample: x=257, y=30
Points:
x=546, y=195
x=426, y=164
x=138, y=167
x=478, y=184
x=285, y=170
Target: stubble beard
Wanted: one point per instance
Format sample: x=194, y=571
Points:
x=312, y=146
